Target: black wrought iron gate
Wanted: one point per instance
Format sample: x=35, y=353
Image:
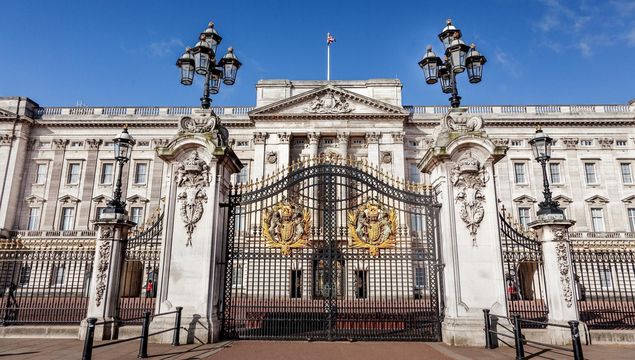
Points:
x=332, y=250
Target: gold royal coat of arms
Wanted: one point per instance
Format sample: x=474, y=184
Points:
x=286, y=226
x=373, y=226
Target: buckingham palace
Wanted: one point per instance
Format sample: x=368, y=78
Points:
x=336, y=194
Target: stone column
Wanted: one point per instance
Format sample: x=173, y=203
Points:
x=13, y=151
x=199, y=166
x=314, y=142
x=83, y=211
x=372, y=140
x=258, y=166
x=56, y=179
x=461, y=169
x=110, y=248
x=558, y=271
x=342, y=138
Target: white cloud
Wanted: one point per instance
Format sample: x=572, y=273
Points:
x=508, y=63
x=165, y=47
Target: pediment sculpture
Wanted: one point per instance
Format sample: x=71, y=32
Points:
x=192, y=175
x=329, y=103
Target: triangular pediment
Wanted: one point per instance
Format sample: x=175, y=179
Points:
x=629, y=200
x=524, y=199
x=597, y=199
x=328, y=101
x=34, y=199
x=136, y=198
x=563, y=199
x=68, y=199
x=101, y=199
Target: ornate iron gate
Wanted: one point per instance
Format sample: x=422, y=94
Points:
x=141, y=270
x=523, y=271
x=332, y=249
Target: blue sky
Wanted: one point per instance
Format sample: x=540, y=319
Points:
x=114, y=52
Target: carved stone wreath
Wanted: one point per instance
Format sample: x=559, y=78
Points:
x=272, y=157
x=286, y=226
x=469, y=177
x=192, y=175
x=373, y=226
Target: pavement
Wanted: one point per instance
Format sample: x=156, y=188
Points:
x=295, y=350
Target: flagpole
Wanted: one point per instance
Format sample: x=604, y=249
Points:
x=328, y=59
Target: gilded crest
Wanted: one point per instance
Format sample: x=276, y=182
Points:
x=373, y=226
x=286, y=226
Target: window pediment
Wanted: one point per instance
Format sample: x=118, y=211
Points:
x=597, y=200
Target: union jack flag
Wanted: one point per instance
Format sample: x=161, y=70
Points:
x=329, y=39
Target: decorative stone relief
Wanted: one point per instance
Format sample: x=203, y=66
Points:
x=192, y=174
x=314, y=138
x=93, y=144
x=500, y=141
x=606, y=143
x=570, y=143
x=462, y=121
x=60, y=144
x=284, y=137
x=469, y=177
x=373, y=137
x=260, y=137
x=6, y=139
x=427, y=142
x=397, y=137
x=386, y=157
x=563, y=266
x=329, y=103
x=272, y=157
x=205, y=123
x=102, y=265
x=342, y=137
x=160, y=142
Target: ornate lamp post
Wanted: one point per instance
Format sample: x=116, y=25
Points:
x=458, y=58
x=541, y=145
x=201, y=59
x=123, y=144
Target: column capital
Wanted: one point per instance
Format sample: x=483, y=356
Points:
x=93, y=144
x=284, y=137
x=60, y=144
x=6, y=139
x=397, y=137
x=557, y=229
x=260, y=137
x=314, y=137
x=373, y=137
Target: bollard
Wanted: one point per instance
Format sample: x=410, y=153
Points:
x=143, y=347
x=177, y=326
x=88, y=340
x=488, y=329
x=518, y=338
x=575, y=338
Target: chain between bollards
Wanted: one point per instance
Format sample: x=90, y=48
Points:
x=143, y=347
x=88, y=340
x=177, y=327
x=575, y=340
x=518, y=338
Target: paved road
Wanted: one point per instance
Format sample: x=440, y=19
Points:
x=276, y=350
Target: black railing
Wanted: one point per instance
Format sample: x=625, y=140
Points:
x=145, y=333
x=492, y=336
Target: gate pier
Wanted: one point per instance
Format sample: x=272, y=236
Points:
x=198, y=169
x=461, y=170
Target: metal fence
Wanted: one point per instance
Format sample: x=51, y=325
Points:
x=523, y=271
x=45, y=280
x=138, y=289
x=604, y=273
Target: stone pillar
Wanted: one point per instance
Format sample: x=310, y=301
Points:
x=461, y=169
x=558, y=271
x=199, y=166
x=110, y=248
x=314, y=142
x=258, y=166
x=56, y=179
x=84, y=207
x=342, y=138
x=372, y=140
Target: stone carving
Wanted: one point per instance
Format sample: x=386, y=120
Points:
x=470, y=177
x=563, y=266
x=60, y=144
x=260, y=137
x=93, y=144
x=342, y=138
x=386, y=157
x=329, y=103
x=373, y=226
x=160, y=142
x=314, y=137
x=427, y=142
x=272, y=157
x=460, y=120
x=500, y=141
x=102, y=265
x=192, y=174
x=286, y=226
x=606, y=143
x=570, y=142
x=373, y=137
x=205, y=123
x=284, y=137
x=6, y=139
x=397, y=137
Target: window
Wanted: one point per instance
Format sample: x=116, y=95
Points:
x=361, y=284
x=40, y=176
x=519, y=173
x=57, y=275
x=554, y=172
x=106, y=173
x=77, y=144
x=517, y=143
x=328, y=141
x=240, y=219
x=413, y=143
x=357, y=141
x=25, y=275
x=631, y=218
x=606, y=278
x=627, y=173
x=140, y=173
x=413, y=173
x=135, y=214
x=524, y=216
x=420, y=277
x=34, y=219
x=100, y=212
x=416, y=224
x=586, y=142
x=72, y=177
x=66, y=222
x=590, y=174
x=237, y=275
x=295, y=292
x=597, y=219
x=620, y=143
x=243, y=175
